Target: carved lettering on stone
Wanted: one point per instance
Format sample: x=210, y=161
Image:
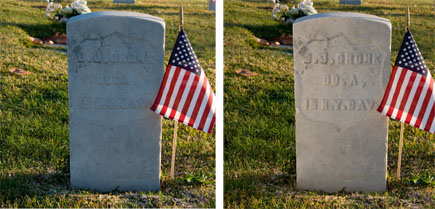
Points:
x=341, y=69
x=115, y=67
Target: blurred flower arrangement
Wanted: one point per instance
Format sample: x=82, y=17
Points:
x=304, y=8
x=57, y=12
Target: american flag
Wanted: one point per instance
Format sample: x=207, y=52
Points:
x=409, y=96
x=185, y=94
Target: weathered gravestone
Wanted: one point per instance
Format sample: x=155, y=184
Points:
x=212, y=5
x=124, y=1
x=354, y=2
x=115, y=67
x=342, y=66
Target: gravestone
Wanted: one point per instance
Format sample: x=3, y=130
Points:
x=212, y=5
x=341, y=68
x=354, y=2
x=124, y=1
x=115, y=67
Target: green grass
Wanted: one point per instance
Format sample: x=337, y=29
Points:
x=259, y=134
x=34, y=160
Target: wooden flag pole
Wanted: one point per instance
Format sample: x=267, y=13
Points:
x=174, y=146
x=402, y=125
x=181, y=17
x=399, y=159
x=174, y=141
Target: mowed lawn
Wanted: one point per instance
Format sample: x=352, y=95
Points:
x=260, y=153
x=34, y=163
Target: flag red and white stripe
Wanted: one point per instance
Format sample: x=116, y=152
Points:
x=185, y=94
x=409, y=96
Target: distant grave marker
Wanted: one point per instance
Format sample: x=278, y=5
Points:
x=124, y=1
x=212, y=5
x=354, y=2
x=342, y=67
x=115, y=66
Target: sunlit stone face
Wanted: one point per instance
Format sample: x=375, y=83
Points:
x=341, y=68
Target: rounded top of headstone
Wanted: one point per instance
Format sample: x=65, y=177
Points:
x=116, y=14
x=343, y=15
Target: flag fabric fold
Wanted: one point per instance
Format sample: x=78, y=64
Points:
x=409, y=96
x=185, y=94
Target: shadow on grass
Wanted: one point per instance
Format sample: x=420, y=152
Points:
x=38, y=30
x=21, y=185
x=267, y=31
x=258, y=183
x=263, y=184
x=16, y=188
x=61, y=50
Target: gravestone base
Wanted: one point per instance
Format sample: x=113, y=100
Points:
x=115, y=67
x=341, y=68
x=348, y=160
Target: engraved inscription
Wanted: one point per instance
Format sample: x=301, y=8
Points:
x=114, y=72
x=333, y=80
x=115, y=48
x=314, y=104
x=118, y=57
x=337, y=76
x=364, y=58
x=107, y=79
x=98, y=103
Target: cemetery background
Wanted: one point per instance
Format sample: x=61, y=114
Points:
x=34, y=163
x=259, y=133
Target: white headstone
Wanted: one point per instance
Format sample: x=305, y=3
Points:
x=212, y=5
x=354, y=2
x=115, y=67
x=342, y=67
x=124, y=1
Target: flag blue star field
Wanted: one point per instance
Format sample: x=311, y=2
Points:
x=185, y=94
x=409, y=96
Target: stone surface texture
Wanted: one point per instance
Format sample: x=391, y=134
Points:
x=115, y=67
x=354, y=2
x=124, y=1
x=341, y=68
